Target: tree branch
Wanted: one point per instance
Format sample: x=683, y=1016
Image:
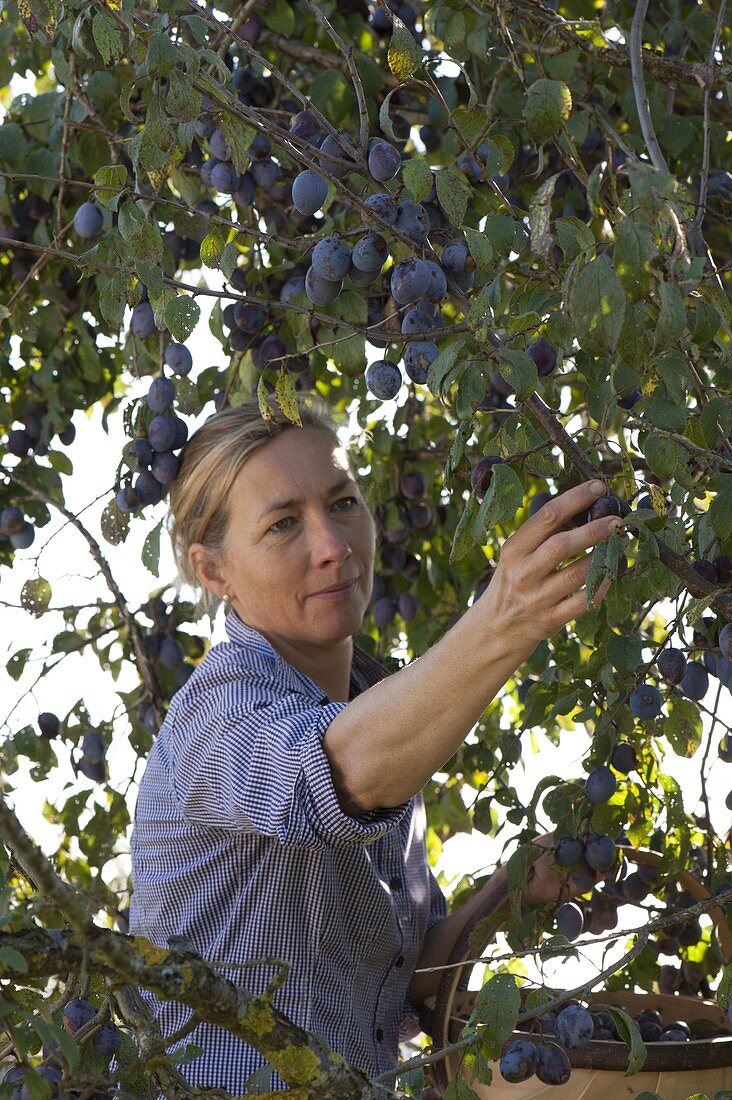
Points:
x=639, y=87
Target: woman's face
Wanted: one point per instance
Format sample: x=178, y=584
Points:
x=298, y=525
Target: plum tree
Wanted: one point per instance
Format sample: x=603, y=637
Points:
x=304, y=219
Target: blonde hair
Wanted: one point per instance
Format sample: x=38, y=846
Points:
x=211, y=462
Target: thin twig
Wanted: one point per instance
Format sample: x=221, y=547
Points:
x=704, y=182
x=363, y=111
x=635, y=49
x=62, y=161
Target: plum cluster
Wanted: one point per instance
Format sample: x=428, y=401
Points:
x=37, y=432
x=14, y=526
x=396, y=562
x=172, y=651
x=91, y=762
x=154, y=452
x=105, y=1038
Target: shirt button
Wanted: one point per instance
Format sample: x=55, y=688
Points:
x=395, y=883
x=400, y=961
x=379, y=1035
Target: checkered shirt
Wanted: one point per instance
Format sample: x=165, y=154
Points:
x=240, y=846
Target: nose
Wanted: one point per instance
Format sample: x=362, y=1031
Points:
x=328, y=542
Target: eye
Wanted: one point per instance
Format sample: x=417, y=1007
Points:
x=347, y=502
x=278, y=528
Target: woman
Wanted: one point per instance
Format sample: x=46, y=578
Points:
x=280, y=814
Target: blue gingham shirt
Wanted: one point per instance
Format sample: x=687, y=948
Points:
x=240, y=845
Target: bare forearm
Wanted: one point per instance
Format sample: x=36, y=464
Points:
x=387, y=743
x=442, y=937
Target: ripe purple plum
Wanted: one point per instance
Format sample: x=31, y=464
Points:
x=321, y=292
x=383, y=160
x=178, y=357
x=725, y=641
x=695, y=683
x=383, y=379
x=624, y=759
x=370, y=253
x=331, y=259
x=671, y=665
x=412, y=221
x=573, y=1027
x=569, y=920
x=600, y=851
x=419, y=355
x=645, y=702
x=601, y=784
x=309, y=192
x=481, y=474
x=384, y=206
x=142, y=321
x=161, y=394
x=165, y=468
x=88, y=220
x=77, y=1013
x=162, y=433
x=553, y=1065
x=410, y=280
x=544, y=355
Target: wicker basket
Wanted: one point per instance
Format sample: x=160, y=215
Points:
x=675, y=1071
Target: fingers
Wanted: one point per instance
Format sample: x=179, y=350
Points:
x=554, y=515
x=567, y=544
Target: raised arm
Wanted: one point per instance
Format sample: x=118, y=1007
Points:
x=388, y=742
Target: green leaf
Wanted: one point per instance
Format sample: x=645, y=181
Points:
x=628, y=1031
x=720, y=514
x=182, y=316
x=604, y=565
x=161, y=54
x=665, y=457
x=502, y=232
x=501, y=502
x=540, y=213
x=671, y=316
x=480, y=248
x=519, y=369
x=683, y=727
x=464, y=540
x=115, y=525
x=452, y=194
x=574, y=236
x=110, y=180
x=548, y=106
x=138, y=231
x=35, y=596
x=469, y=122
x=724, y=989
x=182, y=101
x=112, y=301
x=497, y=1007
x=238, y=137
x=12, y=958
x=107, y=37
x=212, y=247
x=624, y=652
x=17, y=662
x=56, y=1038
x=597, y=302
x=404, y=55
x=459, y=1089
x=417, y=176
x=280, y=16
x=151, y=549
x=440, y=375
x=634, y=250
x=286, y=398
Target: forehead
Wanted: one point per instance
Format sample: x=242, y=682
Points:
x=294, y=462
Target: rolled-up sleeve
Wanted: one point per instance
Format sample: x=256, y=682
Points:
x=262, y=768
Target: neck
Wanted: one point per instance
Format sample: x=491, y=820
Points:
x=329, y=666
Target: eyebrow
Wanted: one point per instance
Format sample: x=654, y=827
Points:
x=292, y=502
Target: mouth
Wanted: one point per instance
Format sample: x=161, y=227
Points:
x=337, y=589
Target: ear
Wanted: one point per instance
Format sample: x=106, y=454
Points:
x=208, y=570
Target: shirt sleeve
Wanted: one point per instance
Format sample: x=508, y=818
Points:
x=262, y=768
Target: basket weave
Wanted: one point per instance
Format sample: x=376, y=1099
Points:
x=675, y=1071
